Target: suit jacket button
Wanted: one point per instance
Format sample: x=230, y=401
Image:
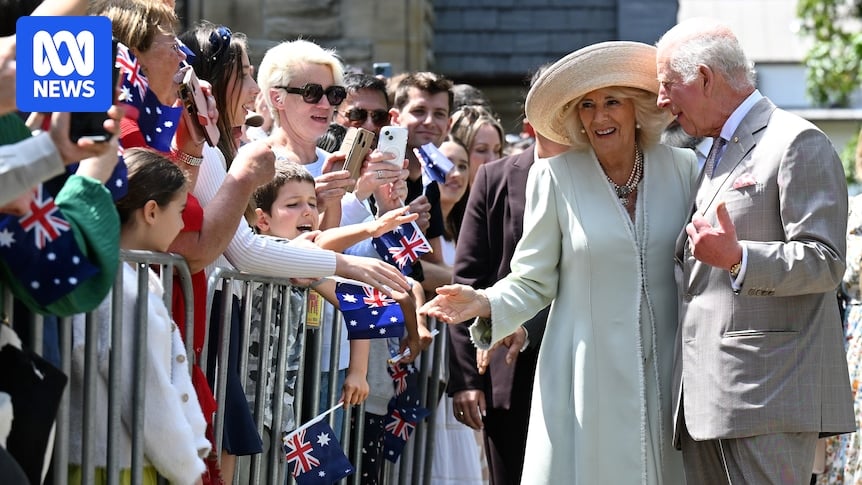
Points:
x=688, y=297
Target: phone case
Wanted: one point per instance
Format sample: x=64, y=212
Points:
x=393, y=140
x=357, y=143
x=196, y=110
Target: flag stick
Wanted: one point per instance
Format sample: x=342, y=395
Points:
x=407, y=350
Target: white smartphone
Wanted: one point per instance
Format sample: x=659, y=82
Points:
x=393, y=140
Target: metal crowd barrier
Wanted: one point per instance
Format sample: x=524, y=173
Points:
x=414, y=466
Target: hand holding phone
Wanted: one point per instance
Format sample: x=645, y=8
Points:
x=89, y=125
x=393, y=140
x=357, y=144
x=199, y=125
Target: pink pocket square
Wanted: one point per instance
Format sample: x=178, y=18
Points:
x=744, y=180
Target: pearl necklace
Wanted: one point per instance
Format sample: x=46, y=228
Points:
x=623, y=191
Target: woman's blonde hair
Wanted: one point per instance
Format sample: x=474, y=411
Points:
x=281, y=63
x=467, y=120
x=651, y=118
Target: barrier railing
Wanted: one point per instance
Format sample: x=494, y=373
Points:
x=267, y=305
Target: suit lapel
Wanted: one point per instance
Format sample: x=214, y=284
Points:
x=742, y=142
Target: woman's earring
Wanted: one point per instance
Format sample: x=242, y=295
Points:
x=583, y=131
x=637, y=126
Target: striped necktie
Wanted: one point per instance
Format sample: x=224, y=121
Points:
x=714, y=154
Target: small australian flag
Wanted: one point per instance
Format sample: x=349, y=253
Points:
x=314, y=456
x=368, y=312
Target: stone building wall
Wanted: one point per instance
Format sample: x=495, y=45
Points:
x=493, y=44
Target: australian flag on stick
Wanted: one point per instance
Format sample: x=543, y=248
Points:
x=405, y=410
x=435, y=165
x=368, y=312
x=402, y=247
x=314, y=456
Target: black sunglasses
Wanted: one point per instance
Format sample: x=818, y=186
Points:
x=219, y=41
x=312, y=93
x=358, y=115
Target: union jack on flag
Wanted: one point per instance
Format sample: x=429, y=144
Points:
x=373, y=315
x=399, y=376
x=299, y=453
x=319, y=460
x=375, y=298
x=399, y=426
x=403, y=246
x=130, y=70
x=44, y=218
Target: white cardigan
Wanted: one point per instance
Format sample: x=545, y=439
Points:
x=174, y=426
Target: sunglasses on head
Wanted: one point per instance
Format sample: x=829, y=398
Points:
x=219, y=41
x=358, y=115
x=312, y=93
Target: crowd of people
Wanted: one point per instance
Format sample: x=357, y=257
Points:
x=644, y=293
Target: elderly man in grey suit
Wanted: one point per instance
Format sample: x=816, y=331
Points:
x=760, y=371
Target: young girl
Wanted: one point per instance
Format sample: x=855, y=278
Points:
x=174, y=440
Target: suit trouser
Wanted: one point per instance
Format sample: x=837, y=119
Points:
x=779, y=458
x=506, y=429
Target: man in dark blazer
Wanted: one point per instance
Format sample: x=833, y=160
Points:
x=498, y=401
x=760, y=371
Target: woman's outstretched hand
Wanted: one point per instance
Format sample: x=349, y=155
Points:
x=457, y=303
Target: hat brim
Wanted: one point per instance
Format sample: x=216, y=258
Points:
x=616, y=63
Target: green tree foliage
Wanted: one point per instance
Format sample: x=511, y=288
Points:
x=834, y=61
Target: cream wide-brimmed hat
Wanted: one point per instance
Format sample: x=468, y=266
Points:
x=616, y=63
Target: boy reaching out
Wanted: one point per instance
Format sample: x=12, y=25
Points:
x=287, y=208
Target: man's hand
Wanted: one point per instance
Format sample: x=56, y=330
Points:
x=421, y=206
x=715, y=246
x=469, y=407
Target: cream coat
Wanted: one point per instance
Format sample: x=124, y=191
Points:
x=601, y=408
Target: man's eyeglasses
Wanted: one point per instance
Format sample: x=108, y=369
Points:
x=219, y=41
x=312, y=93
x=380, y=117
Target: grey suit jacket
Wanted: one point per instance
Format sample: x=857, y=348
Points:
x=770, y=358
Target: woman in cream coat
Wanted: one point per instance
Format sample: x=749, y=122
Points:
x=599, y=231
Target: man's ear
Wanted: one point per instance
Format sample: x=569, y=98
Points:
x=707, y=78
x=150, y=211
x=262, y=222
x=394, y=116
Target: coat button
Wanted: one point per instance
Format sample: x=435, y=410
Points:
x=181, y=358
x=688, y=297
x=185, y=397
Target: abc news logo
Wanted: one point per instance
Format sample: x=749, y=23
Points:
x=71, y=64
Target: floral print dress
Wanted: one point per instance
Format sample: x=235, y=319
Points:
x=843, y=460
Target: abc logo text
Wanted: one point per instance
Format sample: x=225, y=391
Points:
x=64, y=64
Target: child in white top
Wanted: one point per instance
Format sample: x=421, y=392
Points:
x=174, y=427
